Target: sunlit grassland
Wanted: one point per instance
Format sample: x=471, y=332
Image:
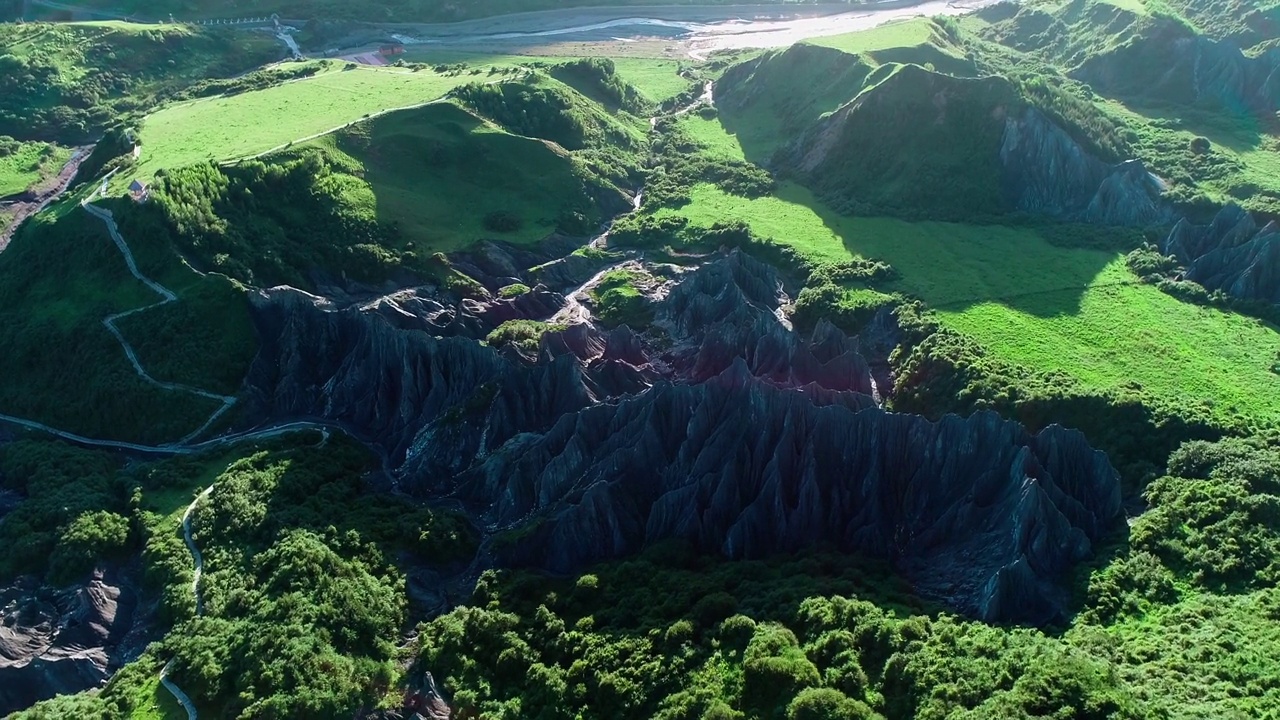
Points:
x=237, y=126
x=1047, y=307
x=30, y=164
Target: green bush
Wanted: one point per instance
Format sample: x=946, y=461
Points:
x=827, y=704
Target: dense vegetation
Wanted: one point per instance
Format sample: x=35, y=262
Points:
x=60, y=277
x=670, y=635
x=68, y=83
x=73, y=515
x=301, y=608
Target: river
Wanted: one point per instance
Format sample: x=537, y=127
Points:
x=703, y=29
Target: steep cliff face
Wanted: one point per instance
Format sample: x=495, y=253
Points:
x=912, y=141
x=975, y=512
x=59, y=641
x=1171, y=64
x=924, y=143
x=1232, y=254
x=1046, y=172
x=719, y=425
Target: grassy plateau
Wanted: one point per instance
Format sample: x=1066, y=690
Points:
x=252, y=123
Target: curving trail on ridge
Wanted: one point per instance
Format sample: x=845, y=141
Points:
x=183, y=699
x=167, y=296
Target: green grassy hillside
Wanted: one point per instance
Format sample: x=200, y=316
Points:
x=251, y=123
x=381, y=196
x=914, y=142
x=439, y=172
x=767, y=101
x=537, y=106
x=59, y=278
x=69, y=82
x=23, y=165
x=1044, y=306
x=1212, y=143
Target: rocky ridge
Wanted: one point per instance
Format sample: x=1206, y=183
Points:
x=60, y=641
x=719, y=425
x=1171, y=64
x=1046, y=172
x=1232, y=254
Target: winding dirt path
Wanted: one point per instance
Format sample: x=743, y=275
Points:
x=166, y=296
x=183, y=699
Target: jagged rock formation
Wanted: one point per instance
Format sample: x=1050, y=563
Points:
x=975, y=512
x=1046, y=172
x=720, y=425
x=1171, y=64
x=1232, y=254
x=924, y=143
x=59, y=641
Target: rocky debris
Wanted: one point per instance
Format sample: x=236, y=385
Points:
x=975, y=512
x=573, y=269
x=60, y=641
x=719, y=425
x=1232, y=254
x=29, y=203
x=420, y=309
x=422, y=701
x=1046, y=172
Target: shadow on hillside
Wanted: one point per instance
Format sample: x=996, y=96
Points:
x=954, y=266
x=1238, y=129
x=949, y=265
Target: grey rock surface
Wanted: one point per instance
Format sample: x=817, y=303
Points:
x=974, y=512
x=1173, y=65
x=1046, y=172
x=720, y=425
x=1232, y=254
x=60, y=641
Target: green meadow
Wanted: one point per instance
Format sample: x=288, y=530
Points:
x=25, y=164
x=658, y=80
x=251, y=123
x=1048, y=307
x=439, y=171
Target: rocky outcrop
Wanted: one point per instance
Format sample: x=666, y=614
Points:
x=1232, y=254
x=719, y=425
x=974, y=512
x=1171, y=64
x=1046, y=172
x=60, y=641
x=921, y=143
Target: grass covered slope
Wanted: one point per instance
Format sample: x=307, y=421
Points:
x=378, y=199
x=24, y=165
x=446, y=179
x=1192, y=106
x=59, y=278
x=1077, y=311
x=252, y=123
x=69, y=82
